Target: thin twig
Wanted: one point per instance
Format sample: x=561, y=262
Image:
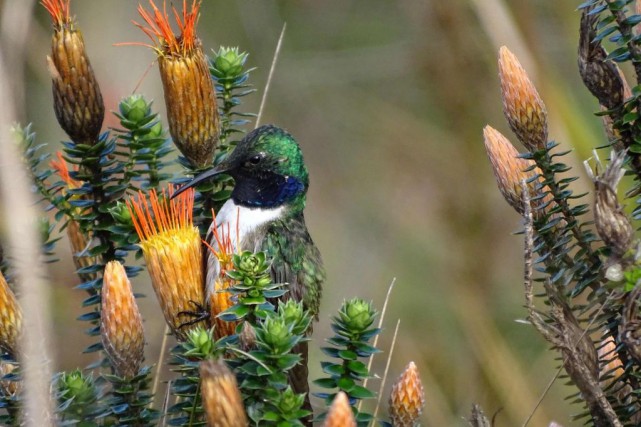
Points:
x=271, y=74
x=380, y=324
x=161, y=358
x=389, y=359
x=165, y=404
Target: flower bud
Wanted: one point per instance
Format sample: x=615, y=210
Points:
x=134, y=108
x=340, y=413
x=522, y=105
x=357, y=314
x=201, y=342
x=76, y=95
x=228, y=63
x=120, y=322
x=221, y=398
x=276, y=333
x=509, y=170
x=77, y=386
x=407, y=398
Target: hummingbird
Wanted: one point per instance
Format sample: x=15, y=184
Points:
x=266, y=207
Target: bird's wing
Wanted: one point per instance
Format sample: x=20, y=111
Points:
x=295, y=261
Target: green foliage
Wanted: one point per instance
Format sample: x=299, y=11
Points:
x=77, y=397
x=350, y=345
x=129, y=400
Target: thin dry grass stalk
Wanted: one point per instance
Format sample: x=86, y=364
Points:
x=523, y=107
x=340, y=413
x=120, y=322
x=77, y=98
x=190, y=95
x=222, y=402
x=173, y=254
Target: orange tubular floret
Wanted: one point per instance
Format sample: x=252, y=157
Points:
x=224, y=243
x=165, y=214
x=60, y=166
x=159, y=30
x=58, y=9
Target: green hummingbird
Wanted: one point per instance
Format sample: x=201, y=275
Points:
x=266, y=208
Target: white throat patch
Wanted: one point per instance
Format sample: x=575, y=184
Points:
x=237, y=222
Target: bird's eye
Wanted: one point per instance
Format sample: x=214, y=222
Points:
x=256, y=159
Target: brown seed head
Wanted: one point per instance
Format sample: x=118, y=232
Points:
x=407, y=399
x=173, y=253
x=222, y=402
x=120, y=322
x=9, y=387
x=522, y=105
x=10, y=318
x=77, y=99
x=612, y=223
x=510, y=170
x=340, y=413
x=190, y=95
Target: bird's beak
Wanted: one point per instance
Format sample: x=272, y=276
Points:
x=221, y=168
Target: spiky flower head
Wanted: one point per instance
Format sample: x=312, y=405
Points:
x=10, y=318
x=509, y=170
x=120, y=322
x=77, y=99
x=79, y=241
x=407, y=399
x=222, y=402
x=219, y=299
x=190, y=95
x=612, y=224
x=522, y=105
x=173, y=253
x=340, y=413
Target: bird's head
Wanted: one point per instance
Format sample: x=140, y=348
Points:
x=268, y=170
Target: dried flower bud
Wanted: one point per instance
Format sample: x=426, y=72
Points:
x=510, y=170
x=602, y=77
x=612, y=224
x=120, y=322
x=173, y=253
x=247, y=337
x=222, y=402
x=611, y=366
x=76, y=95
x=522, y=105
x=10, y=318
x=190, y=95
x=340, y=413
x=407, y=399
x=478, y=418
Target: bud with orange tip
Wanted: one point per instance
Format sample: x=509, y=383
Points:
x=523, y=107
x=407, y=398
x=173, y=253
x=509, y=170
x=120, y=322
x=76, y=95
x=190, y=95
x=340, y=413
x=222, y=402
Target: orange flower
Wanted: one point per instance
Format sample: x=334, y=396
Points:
x=173, y=253
x=77, y=98
x=190, y=95
x=219, y=300
x=120, y=322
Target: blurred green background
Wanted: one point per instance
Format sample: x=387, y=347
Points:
x=388, y=100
